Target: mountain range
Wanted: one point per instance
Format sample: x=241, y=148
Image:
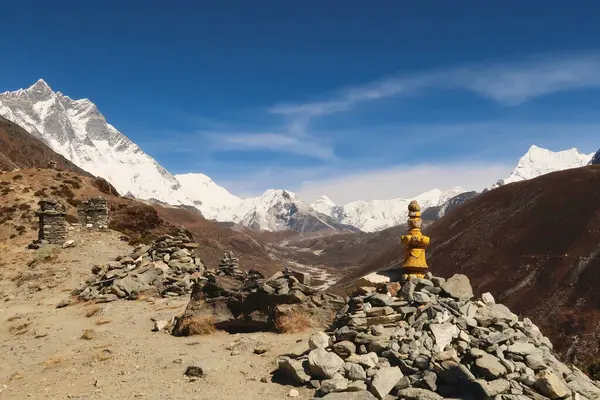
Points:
x=78, y=131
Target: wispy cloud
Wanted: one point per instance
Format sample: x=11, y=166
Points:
x=305, y=146
x=508, y=83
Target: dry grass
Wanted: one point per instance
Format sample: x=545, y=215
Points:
x=15, y=376
x=103, y=321
x=19, y=329
x=53, y=361
x=201, y=325
x=88, y=334
x=90, y=312
x=292, y=322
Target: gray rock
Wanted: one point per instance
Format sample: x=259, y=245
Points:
x=344, y=348
x=418, y=394
x=493, y=388
x=323, y=363
x=368, y=360
x=362, y=395
x=380, y=300
x=296, y=370
x=408, y=290
x=318, y=340
x=384, y=381
x=438, y=281
x=550, y=385
x=356, y=386
x=443, y=334
x=522, y=348
x=487, y=298
x=380, y=311
x=489, y=367
x=455, y=373
x=535, y=362
x=494, y=313
x=458, y=287
x=355, y=372
x=421, y=297
x=336, y=384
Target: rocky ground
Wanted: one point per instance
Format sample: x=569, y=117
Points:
x=109, y=351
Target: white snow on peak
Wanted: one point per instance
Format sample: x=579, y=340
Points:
x=374, y=215
x=323, y=204
x=539, y=161
x=214, y=201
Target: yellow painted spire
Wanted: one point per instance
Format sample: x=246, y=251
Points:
x=415, y=242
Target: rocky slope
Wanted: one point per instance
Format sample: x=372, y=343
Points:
x=21, y=190
x=18, y=149
x=429, y=339
x=534, y=244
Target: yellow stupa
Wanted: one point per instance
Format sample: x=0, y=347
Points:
x=415, y=263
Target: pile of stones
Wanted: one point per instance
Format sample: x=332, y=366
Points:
x=428, y=339
x=237, y=300
x=167, y=268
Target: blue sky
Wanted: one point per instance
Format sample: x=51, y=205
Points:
x=354, y=99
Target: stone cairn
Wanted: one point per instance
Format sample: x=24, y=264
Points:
x=237, y=300
x=229, y=265
x=432, y=340
x=93, y=213
x=167, y=268
x=52, y=223
x=426, y=338
x=52, y=165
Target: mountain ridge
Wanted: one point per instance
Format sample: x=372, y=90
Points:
x=78, y=131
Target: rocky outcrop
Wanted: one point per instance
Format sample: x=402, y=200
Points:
x=237, y=300
x=596, y=159
x=433, y=341
x=167, y=268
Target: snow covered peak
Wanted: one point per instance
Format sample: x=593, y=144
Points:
x=214, y=201
x=374, y=215
x=323, y=204
x=539, y=161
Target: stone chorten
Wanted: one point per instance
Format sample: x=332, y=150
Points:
x=415, y=262
x=93, y=213
x=52, y=224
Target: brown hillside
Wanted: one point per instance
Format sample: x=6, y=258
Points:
x=21, y=190
x=19, y=149
x=535, y=245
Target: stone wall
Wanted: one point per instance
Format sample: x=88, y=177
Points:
x=52, y=224
x=93, y=213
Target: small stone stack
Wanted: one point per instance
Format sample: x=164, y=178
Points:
x=167, y=268
x=229, y=265
x=52, y=223
x=431, y=341
x=246, y=301
x=93, y=213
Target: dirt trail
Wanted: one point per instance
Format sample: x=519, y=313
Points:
x=45, y=357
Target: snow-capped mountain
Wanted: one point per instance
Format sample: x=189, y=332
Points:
x=76, y=130
x=538, y=161
x=374, y=215
x=278, y=210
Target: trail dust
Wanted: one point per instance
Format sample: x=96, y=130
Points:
x=108, y=351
